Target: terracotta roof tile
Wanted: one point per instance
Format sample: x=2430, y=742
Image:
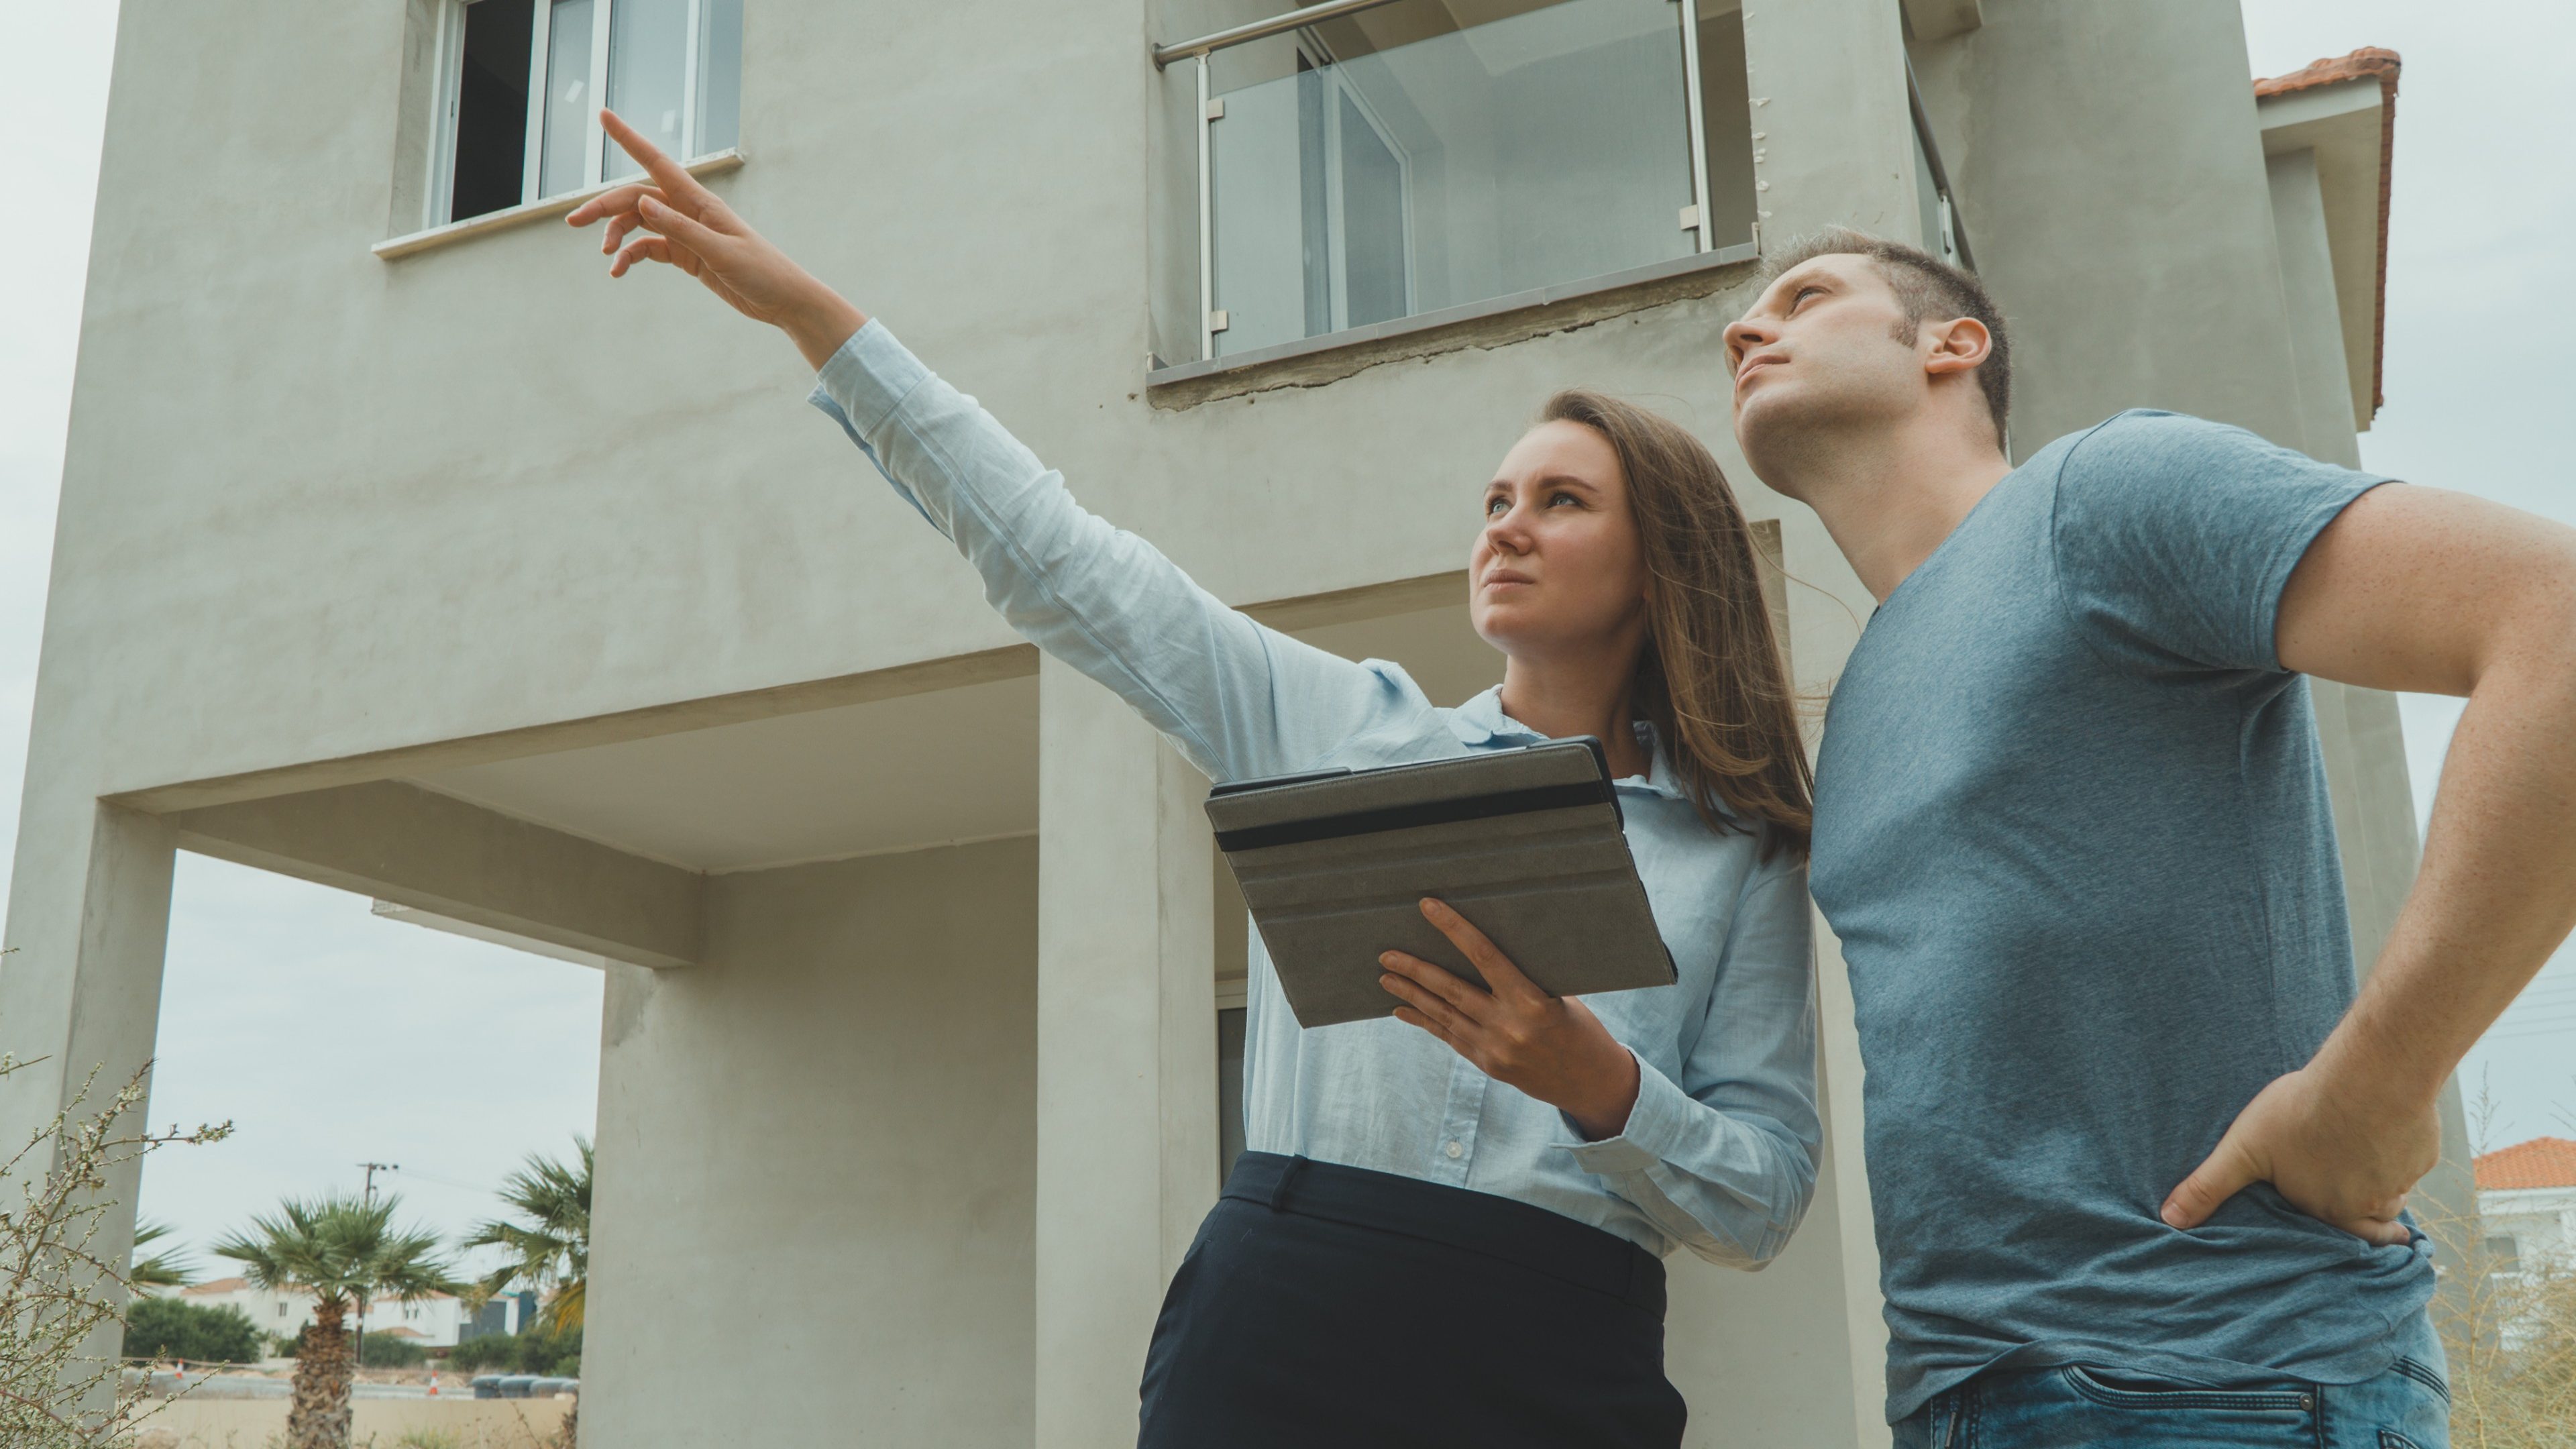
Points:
x=219, y=1285
x=2541, y=1162
x=2369, y=62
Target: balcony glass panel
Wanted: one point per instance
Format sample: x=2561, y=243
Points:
x=1434, y=153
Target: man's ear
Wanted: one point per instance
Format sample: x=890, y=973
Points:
x=1957, y=345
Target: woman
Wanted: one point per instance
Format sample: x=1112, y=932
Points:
x=1449, y=1229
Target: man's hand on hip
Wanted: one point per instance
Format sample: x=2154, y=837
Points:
x=2339, y=1155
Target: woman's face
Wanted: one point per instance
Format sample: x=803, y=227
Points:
x=1558, y=567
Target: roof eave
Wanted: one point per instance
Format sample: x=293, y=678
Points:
x=2349, y=104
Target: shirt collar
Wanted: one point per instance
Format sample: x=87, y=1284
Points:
x=1481, y=721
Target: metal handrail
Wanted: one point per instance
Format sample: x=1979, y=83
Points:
x=1262, y=29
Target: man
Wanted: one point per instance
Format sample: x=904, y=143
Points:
x=2137, y=1153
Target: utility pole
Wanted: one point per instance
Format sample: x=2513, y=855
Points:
x=358, y=1355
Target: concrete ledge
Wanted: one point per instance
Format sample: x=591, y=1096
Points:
x=1495, y=322
x=1012, y=661
x=1368, y=601
x=438, y=854
x=393, y=248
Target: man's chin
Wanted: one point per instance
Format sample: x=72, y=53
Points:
x=1773, y=431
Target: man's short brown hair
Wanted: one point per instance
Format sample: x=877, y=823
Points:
x=1927, y=289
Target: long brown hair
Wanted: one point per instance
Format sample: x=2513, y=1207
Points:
x=1712, y=682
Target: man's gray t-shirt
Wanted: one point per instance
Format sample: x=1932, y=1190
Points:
x=2072, y=828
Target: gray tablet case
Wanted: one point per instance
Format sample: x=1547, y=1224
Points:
x=1525, y=843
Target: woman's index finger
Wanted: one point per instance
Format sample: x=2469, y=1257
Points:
x=674, y=178
x=1501, y=976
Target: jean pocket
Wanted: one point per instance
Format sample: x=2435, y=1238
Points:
x=2118, y=1391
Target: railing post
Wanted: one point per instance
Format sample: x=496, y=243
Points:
x=1697, y=120
x=1207, y=235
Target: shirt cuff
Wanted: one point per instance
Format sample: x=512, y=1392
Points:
x=1656, y=1126
x=862, y=384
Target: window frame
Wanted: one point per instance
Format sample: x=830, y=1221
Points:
x=438, y=202
x=1299, y=23
x=1337, y=91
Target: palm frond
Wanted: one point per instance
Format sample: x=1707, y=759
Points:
x=338, y=1247
x=547, y=1244
x=156, y=1270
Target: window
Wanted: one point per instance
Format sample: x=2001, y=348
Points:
x=1412, y=156
x=523, y=81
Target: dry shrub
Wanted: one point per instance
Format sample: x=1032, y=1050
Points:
x=2510, y=1331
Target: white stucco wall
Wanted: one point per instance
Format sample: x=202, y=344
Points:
x=816, y=1181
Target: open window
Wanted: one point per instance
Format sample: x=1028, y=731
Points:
x=522, y=81
x=1366, y=163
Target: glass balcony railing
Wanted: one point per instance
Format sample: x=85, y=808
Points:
x=1388, y=160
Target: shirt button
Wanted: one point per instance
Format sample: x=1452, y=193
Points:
x=1455, y=1149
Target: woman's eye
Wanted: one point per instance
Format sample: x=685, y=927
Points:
x=1556, y=499
x=1496, y=505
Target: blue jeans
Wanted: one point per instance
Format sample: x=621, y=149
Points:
x=2406, y=1407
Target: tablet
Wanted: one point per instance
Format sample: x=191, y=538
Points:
x=1526, y=843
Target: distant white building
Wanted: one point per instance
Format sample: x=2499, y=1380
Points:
x=2527, y=1207
x=436, y=1320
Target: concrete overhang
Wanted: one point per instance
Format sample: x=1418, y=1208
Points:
x=2344, y=110
x=594, y=845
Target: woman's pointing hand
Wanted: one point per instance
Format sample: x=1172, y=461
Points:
x=688, y=227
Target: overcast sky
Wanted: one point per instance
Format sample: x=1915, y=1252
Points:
x=333, y=1038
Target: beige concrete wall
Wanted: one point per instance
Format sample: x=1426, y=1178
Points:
x=2111, y=175
x=814, y=1219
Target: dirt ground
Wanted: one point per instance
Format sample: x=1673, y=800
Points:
x=461, y=1422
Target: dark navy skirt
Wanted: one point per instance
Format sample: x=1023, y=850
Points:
x=1330, y=1305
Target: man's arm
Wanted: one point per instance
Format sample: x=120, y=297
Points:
x=2436, y=593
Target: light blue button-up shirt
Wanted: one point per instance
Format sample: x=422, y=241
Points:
x=1718, y=1154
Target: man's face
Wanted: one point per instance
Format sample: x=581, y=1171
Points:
x=1818, y=351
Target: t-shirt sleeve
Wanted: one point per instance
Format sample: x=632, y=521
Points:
x=2172, y=538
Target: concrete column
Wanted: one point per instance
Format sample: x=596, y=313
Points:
x=89, y=915
x=1834, y=147
x=1127, y=1125
x=80, y=993
x=2316, y=319
x=1825, y=620
x=1834, y=142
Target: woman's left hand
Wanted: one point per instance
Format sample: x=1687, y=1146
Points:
x=1551, y=1047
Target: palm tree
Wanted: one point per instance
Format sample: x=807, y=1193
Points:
x=337, y=1247
x=551, y=1248
x=161, y=1270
